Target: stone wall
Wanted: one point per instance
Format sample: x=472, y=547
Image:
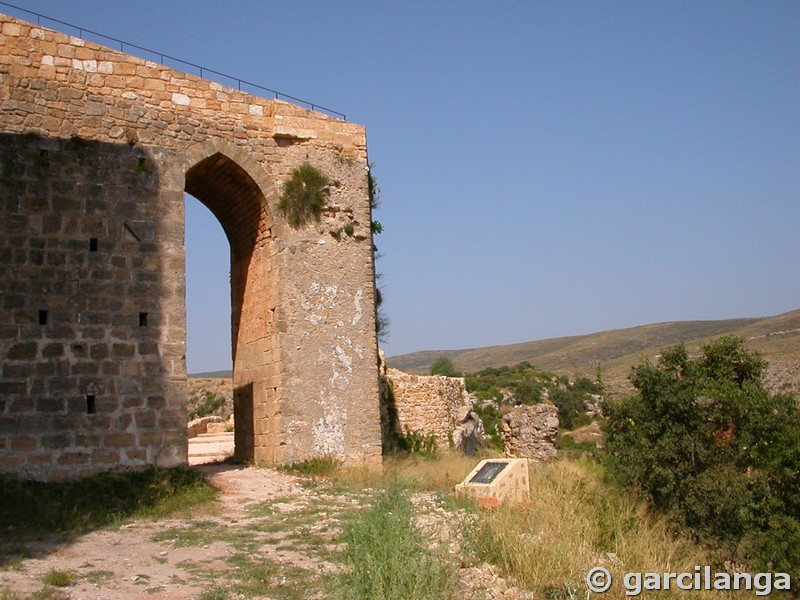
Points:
x=530, y=432
x=96, y=151
x=429, y=404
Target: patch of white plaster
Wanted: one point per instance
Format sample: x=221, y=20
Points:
x=342, y=368
x=358, y=310
x=317, y=301
x=328, y=433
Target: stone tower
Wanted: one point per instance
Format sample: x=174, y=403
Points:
x=97, y=149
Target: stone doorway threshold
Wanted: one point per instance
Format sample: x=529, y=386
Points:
x=209, y=448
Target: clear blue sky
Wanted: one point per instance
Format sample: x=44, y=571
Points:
x=547, y=168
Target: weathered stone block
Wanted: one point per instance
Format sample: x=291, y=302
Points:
x=23, y=351
x=55, y=441
x=13, y=387
x=24, y=443
x=50, y=405
x=119, y=440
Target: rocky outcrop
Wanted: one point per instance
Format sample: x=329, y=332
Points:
x=468, y=436
x=530, y=432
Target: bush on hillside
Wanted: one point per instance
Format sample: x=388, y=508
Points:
x=524, y=384
x=443, y=366
x=703, y=439
x=571, y=413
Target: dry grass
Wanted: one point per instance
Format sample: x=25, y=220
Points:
x=578, y=522
x=441, y=473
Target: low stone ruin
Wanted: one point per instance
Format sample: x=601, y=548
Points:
x=439, y=406
x=430, y=405
x=212, y=424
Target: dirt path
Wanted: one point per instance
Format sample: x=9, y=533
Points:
x=270, y=535
x=143, y=560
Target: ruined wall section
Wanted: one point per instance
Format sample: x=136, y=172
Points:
x=313, y=373
x=429, y=404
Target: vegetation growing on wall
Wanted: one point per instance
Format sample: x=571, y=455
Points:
x=303, y=196
x=381, y=318
x=705, y=441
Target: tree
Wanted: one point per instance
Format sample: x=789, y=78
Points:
x=443, y=366
x=703, y=439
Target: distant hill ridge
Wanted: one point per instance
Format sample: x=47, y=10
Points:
x=212, y=375
x=616, y=351
x=777, y=338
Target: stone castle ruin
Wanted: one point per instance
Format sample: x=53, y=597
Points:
x=96, y=151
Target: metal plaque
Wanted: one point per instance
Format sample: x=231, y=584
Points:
x=488, y=472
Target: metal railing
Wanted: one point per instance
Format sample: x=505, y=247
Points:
x=202, y=70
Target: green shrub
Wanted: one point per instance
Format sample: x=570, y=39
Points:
x=58, y=578
x=209, y=405
x=528, y=390
x=443, y=366
x=568, y=443
x=303, y=196
x=492, y=420
x=703, y=439
x=570, y=407
x=587, y=386
x=492, y=393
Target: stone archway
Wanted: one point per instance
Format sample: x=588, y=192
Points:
x=240, y=206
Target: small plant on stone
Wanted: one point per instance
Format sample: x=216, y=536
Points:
x=303, y=196
x=59, y=578
x=322, y=466
x=420, y=443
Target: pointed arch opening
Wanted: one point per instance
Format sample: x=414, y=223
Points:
x=238, y=203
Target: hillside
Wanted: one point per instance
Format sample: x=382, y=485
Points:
x=616, y=351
